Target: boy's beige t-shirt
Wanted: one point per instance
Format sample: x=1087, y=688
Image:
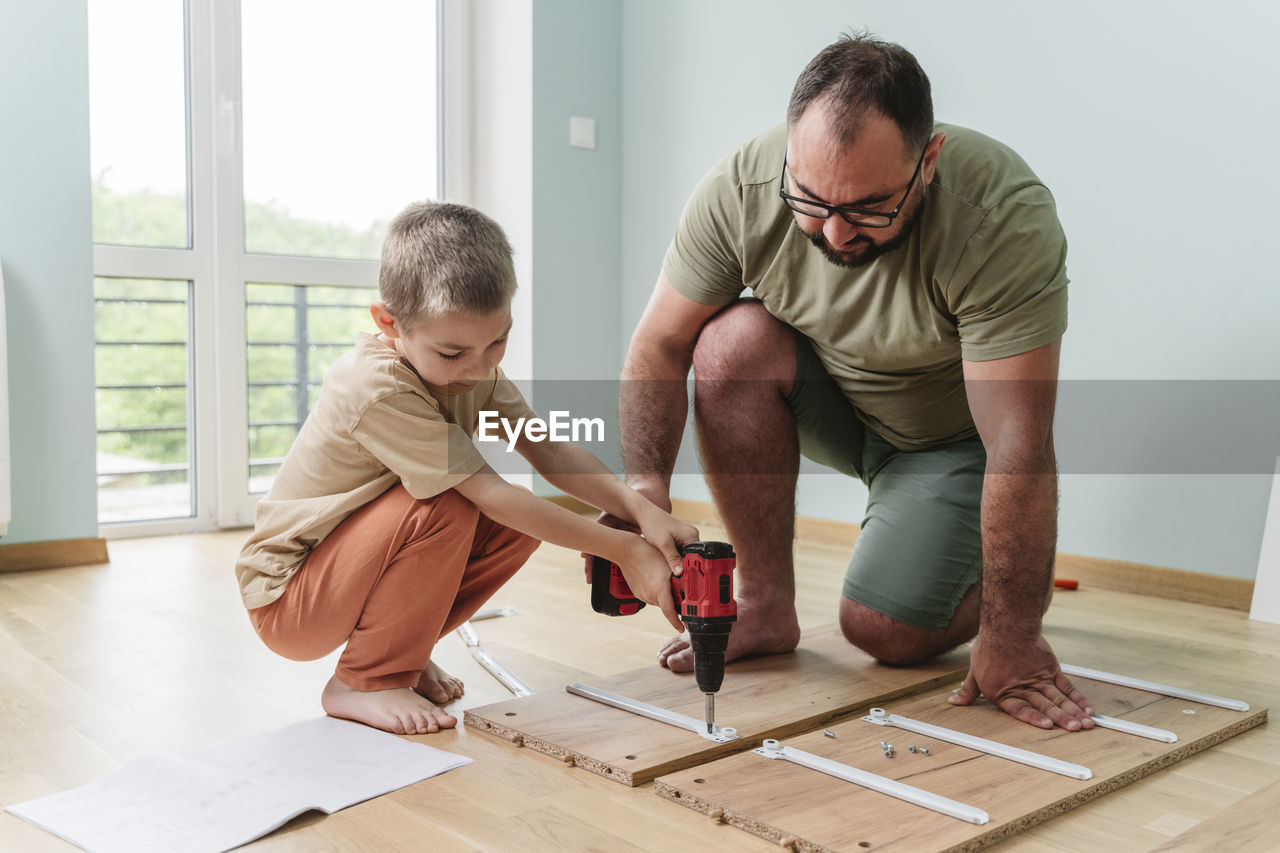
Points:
x=982, y=277
x=377, y=423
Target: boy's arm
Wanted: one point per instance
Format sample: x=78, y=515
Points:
x=646, y=571
x=578, y=472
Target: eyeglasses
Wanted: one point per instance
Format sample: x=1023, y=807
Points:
x=853, y=215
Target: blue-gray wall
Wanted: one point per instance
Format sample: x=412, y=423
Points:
x=1141, y=117
x=45, y=247
x=577, y=192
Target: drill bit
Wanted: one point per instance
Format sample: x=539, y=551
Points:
x=711, y=712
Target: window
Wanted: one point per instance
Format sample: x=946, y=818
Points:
x=141, y=334
x=246, y=159
x=294, y=333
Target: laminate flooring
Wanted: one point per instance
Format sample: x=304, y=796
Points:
x=103, y=664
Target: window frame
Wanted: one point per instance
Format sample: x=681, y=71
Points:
x=218, y=267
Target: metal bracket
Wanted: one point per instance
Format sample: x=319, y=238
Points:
x=1128, y=727
x=918, y=796
x=494, y=613
x=500, y=672
x=469, y=635
x=1153, y=687
x=508, y=678
x=653, y=712
x=991, y=747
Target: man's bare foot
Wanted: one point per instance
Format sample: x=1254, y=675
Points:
x=758, y=631
x=438, y=685
x=400, y=710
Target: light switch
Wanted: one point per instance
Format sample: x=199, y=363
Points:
x=582, y=132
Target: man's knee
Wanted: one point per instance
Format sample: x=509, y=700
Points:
x=889, y=640
x=745, y=341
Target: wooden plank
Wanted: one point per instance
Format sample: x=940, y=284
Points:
x=810, y=811
x=53, y=554
x=1247, y=827
x=775, y=696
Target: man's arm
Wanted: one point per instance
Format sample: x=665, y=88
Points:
x=1012, y=401
x=652, y=401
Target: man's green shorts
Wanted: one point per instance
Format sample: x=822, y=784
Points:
x=920, y=548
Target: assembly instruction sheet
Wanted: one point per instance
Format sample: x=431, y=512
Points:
x=223, y=795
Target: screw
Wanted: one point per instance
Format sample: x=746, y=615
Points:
x=925, y=751
x=828, y=733
x=884, y=745
x=911, y=748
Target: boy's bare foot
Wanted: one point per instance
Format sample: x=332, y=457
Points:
x=400, y=710
x=758, y=631
x=438, y=685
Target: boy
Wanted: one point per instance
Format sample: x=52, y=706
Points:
x=384, y=528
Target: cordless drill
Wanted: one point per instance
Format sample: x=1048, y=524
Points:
x=703, y=591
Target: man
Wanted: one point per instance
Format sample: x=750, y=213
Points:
x=909, y=288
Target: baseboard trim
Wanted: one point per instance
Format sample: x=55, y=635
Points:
x=1098, y=572
x=571, y=503
x=53, y=554
x=1161, y=582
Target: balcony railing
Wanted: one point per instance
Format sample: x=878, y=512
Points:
x=145, y=439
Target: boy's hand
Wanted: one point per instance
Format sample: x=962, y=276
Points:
x=666, y=533
x=649, y=577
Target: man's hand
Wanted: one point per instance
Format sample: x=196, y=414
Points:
x=611, y=521
x=1025, y=681
x=656, y=493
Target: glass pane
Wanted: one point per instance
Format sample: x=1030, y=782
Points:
x=294, y=333
x=339, y=116
x=142, y=377
x=138, y=122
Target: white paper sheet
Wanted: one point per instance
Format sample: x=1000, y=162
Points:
x=223, y=795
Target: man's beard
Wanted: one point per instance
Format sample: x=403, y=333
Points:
x=868, y=251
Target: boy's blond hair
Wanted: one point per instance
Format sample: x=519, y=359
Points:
x=440, y=257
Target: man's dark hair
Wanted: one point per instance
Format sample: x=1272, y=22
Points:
x=861, y=74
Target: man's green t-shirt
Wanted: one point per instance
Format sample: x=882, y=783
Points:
x=982, y=276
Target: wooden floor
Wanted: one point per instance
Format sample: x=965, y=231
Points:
x=100, y=665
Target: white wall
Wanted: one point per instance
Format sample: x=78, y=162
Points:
x=48, y=269
x=1149, y=121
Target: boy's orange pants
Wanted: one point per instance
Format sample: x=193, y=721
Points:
x=390, y=580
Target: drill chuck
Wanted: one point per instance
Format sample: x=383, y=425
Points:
x=709, y=638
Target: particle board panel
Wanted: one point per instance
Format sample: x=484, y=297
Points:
x=810, y=811
x=1247, y=827
x=825, y=679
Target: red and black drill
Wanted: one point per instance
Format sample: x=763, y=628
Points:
x=704, y=594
